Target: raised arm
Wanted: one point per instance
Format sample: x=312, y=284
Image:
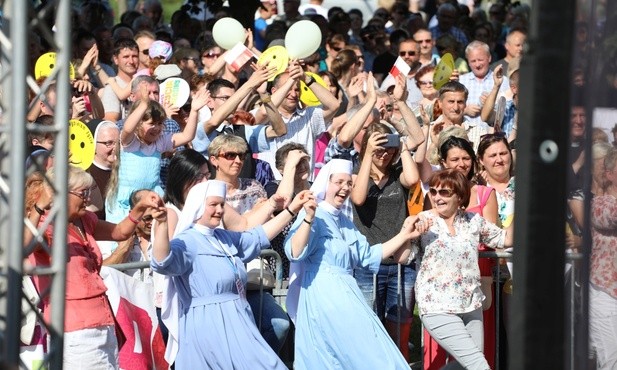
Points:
x=286, y=186
x=188, y=133
x=132, y=121
x=277, y=127
x=124, y=229
x=410, y=174
x=300, y=238
x=273, y=227
x=260, y=75
x=356, y=122
x=411, y=129
x=360, y=188
x=488, y=109
x=329, y=102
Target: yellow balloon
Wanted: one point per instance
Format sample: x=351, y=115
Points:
x=275, y=56
x=307, y=96
x=46, y=63
x=81, y=144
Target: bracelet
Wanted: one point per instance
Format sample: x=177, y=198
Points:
x=290, y=212
x=310, y=81
x=307, y=221
x=133, y=220
x=38, y=209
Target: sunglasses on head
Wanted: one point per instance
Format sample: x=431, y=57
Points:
x=444, y=193
x=495, y=135
x=230, y=156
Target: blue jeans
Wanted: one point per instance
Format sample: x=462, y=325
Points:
x=274, y=320
x=386, y=300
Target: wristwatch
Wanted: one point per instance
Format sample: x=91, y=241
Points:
x=310, y=81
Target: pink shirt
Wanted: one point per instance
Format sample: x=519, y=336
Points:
x=86, y=303
x=604, y=244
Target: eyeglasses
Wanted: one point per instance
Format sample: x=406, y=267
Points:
x=84, y=194
x=342, y=183
x=146, y=52
x=425, y=83
x=427, y=41
x=444, y=193
x=108, y=143
x=230, y=156
x=203, y=175
x=222, y=97
x=211, y=55
x=408, y=53
x=147, y=218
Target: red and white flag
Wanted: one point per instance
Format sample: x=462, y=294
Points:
x=400, y=66
x=133, y=305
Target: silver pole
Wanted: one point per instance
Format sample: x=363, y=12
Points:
x=17, y=114
x=61, y=115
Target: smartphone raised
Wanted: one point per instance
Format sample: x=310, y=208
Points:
x=394, y=140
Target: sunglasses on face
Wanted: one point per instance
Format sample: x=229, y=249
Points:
x=147, y=218
x=210, y=55
x=146, y=52
x=336, y=48
x=84, y=194
x=444, y=193
x=230, y=156
x=408, y=53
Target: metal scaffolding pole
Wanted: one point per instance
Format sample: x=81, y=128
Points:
x=18, y=18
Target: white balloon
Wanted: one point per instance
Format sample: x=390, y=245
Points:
x=227, y=32
x=302, y=39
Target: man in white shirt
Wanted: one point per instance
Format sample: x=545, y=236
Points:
x=304, y=125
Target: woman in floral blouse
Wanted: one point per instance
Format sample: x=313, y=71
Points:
x=603, y=279
x=448, y=285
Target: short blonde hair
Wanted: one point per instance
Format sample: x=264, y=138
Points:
x=78, y=178
x=225, y=143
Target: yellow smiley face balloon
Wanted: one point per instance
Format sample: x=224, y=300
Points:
x=81, y=144
x=46, y=63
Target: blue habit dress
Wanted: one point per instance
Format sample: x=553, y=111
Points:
x=216, y=327
x=335, y=328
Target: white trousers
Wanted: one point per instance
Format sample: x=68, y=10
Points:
x=603, y=327
x=461, y=335
x=93, y=348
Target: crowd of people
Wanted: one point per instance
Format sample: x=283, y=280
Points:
x=378, y=198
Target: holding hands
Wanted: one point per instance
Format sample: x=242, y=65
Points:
x=414, y=226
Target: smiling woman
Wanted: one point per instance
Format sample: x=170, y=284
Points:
x=448, y=287
x=88, y=310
